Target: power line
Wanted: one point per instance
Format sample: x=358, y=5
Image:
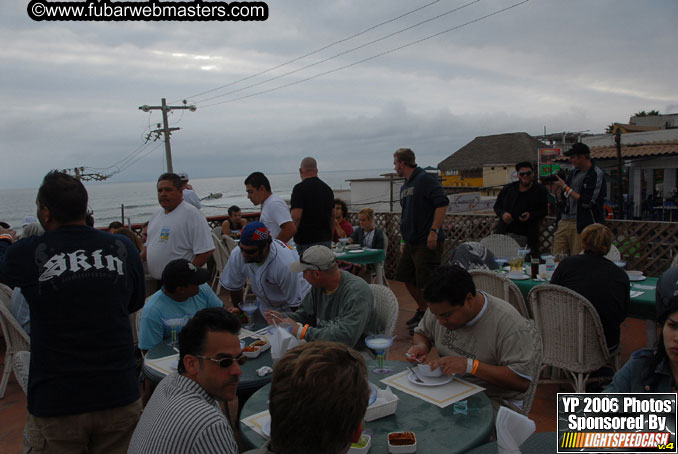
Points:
x=315, y=51
x=369, y=58
x=390, y=35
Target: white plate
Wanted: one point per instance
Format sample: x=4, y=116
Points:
x=266, y=428
x=356, y=251
x=518, y=277
x=636, y=279
x=431, y=381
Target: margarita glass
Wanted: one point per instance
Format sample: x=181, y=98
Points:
x=379, y=343
x=249, y=307
x=174, y=325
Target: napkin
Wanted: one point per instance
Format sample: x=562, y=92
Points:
x=281, y=340
x=635, y=293
x=264, y=370
x=512, y=430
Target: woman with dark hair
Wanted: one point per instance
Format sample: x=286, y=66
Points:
x=653, y=370
x=342, y=228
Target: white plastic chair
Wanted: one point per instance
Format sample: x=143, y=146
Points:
x=382, y=268
x=16, y=339
x=572, y=334
x=21, y=365
x=386, y=305
x=220, y=258
x=501, y=245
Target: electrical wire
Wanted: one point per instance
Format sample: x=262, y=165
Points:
x=312, y=52
x=368, y=58
x=325, y=60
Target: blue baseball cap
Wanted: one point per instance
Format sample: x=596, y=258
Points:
x=255, y=234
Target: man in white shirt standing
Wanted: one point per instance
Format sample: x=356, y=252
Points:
x=266, y=262
x=189, y=194
x=274, y=211
x=178, y=231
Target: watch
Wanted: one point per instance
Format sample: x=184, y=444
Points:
x=435, y=230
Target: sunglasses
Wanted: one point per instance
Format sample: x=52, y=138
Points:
x=525, y=174
x=227, y=362
x=309, y=264
x=249, y=251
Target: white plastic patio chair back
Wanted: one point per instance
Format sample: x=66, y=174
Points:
x=383, y=268
x=16, y=338
x=675, y=261
x=220, y=258
x=217, y=231
x=386, y=305
x=614, y=254
x=572, y=334
x=229, y=242
x=502, y=287
x=501, y=245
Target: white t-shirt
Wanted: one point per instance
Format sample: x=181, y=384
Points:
x=182, y=233
x=191, y=197
x=274, y=213
x=275, y=285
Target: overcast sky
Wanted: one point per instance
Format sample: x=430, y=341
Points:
x=71, y=90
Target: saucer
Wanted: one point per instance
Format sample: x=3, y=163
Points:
x=431, y=381
x=637, y=279
x=517, y=276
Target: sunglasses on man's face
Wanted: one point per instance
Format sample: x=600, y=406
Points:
x=226, y=362
x=249, y=251
x=525, y=174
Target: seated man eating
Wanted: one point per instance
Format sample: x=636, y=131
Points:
x=339, y=307
x=475, y=334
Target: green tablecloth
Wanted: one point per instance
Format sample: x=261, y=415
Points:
x=538, y=443
x=642, y=307
x=437, y=429
x=249, y=380
x=368, y=256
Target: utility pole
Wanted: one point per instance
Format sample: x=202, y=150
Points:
x=620, y=180
x=166, y=130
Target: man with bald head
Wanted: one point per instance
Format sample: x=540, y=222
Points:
x=312, y=208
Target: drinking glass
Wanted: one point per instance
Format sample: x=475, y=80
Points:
x=249, y=307
x=344, y=243
x=379, y=343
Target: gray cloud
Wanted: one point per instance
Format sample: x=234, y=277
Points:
x=71, y=89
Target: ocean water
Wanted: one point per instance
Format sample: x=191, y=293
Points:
x=140, y=201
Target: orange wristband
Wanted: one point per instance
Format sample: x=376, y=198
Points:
x=475, y=366
x=303, y=331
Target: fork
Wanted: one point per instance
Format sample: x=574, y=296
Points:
x=416, y=377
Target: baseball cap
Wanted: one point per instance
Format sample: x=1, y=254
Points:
x=254, y=234
x=314, y=258
x=183, y=176
x=666, y=293
x=578, y=148
x=5, y=225
x=181, y=272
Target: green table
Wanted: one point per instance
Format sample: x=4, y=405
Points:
x=437, y=429
x=249, y=380
x=538, y=443
x=366, y=257
x=641, y=307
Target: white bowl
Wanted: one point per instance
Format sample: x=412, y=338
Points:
x=425, y=371
x=402, y=449
x=633, y=274
x=364, y=449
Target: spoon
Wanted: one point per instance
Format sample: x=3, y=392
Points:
x=416, y=377
x=414, y=358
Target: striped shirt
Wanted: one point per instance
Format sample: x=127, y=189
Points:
x=181, y=418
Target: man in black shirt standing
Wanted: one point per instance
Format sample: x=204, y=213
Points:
x=312, y=208
x=521, y=206
x=81, y=284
